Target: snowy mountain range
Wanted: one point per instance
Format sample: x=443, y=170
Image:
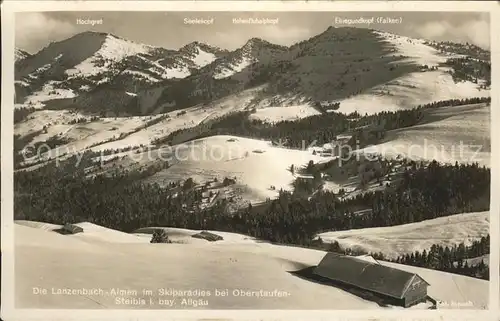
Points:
x=91, y=68
x=99, y=74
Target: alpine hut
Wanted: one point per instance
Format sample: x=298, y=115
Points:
x=392, y=286
x=208, y=236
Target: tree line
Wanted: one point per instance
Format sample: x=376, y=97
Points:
x=467, y=69
x=466, y=49
x=452, y=259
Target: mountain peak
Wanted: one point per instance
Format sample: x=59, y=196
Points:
x=96, y=35
x=20, y=54
x=195, y=46
x=191, y=44
x=87, y=34
x=258, y=43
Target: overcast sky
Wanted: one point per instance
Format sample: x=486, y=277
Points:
x=36, y=30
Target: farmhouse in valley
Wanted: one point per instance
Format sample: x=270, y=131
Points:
x=393, y=286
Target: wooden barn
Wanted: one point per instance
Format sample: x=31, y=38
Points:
x=69, y=229
x=208, y=236
x=392, y=286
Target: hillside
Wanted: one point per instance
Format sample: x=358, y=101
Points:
x=82, y=132
x=105, y=74
x=408, y=238
x=448, y=134
x=256, y=165
x=81, y=260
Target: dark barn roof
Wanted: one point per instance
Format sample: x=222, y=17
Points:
x=366, y=275
x=208, y=236
x=71, y=229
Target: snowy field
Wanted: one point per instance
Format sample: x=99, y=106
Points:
x=49, y=260
x=58, y=123
x=192, y=117
x=202, y=58
x=47, y=92
x=398, y=240
x=79, y=136
x=410, y=91
x=277, y=114
x=105, y=133
x=113, y=50
x=37, y=120
x=413, y=89
x=415, y=49
x=256, y=164
x=448, y=134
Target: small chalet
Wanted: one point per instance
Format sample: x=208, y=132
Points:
x=208, y=236
x=396, y=287
x=70, y=229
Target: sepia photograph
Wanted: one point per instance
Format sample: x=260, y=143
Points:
x=251, y=160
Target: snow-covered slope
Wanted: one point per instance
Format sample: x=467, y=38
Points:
x=78, y=135
x=117, y=133
x=184, y=236
x=202, y=54
x=256, y=164
x=415, y=88
x=398, y=240
x=277, y=114
x=416, y=50
x=410, y=91
x=45, y=259
x=448, y=134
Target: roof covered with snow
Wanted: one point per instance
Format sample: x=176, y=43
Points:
x=364, y=274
